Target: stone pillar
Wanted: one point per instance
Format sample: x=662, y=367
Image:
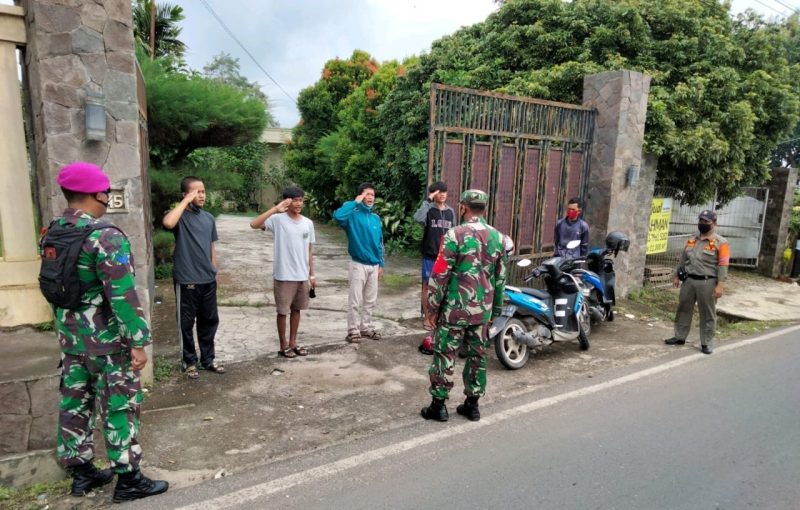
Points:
x=75, y=49
x=776, y=229
x=620, y=190
x=20, y=299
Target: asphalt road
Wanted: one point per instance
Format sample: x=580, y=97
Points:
x=688, y=432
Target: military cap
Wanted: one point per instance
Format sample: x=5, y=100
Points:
x=474, y=197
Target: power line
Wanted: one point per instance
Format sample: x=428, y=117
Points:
x=230, y=33
x=757, y=1
x=795, y=9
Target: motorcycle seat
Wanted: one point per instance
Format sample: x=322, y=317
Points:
x=539, y=294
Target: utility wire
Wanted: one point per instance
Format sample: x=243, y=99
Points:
x=795, y=9
x=757, y=1
x=230, y=33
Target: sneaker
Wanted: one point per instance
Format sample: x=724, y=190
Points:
x=706, y=349
x=674, y=341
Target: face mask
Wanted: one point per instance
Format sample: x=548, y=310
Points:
x=573, y=215
x=704, y=228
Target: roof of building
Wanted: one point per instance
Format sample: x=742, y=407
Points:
x=277, y=135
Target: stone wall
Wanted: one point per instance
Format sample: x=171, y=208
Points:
x=28, y=414
x=776, y=227
x=77, y=48
x=614, y=203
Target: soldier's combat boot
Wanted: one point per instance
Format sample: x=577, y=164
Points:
x=436, y=411
x=87, y=477
x=469, y=409
x=135, y=485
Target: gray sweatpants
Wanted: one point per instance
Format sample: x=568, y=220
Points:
x=702, y=292
x=362, y=297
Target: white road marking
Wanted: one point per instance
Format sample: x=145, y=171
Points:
x=327, y=470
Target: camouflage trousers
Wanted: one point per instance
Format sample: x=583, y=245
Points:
x=446, y=342
x=107, y=382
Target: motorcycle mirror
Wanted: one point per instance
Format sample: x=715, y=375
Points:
x=573, y=244
x=524, y=263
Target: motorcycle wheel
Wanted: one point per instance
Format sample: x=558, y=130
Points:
x=583, y=339
x=512, y=355
x=610, y=315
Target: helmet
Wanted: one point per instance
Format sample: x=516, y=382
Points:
x=617, y=241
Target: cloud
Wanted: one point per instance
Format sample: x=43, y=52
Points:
x=293, y=40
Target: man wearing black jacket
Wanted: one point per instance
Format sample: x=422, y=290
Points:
x=438, y=218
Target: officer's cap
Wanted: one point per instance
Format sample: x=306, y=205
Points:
x=708, y=215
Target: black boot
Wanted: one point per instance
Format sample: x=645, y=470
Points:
x=135, y=485
x=436, y=411
x=87, y=477
x=469, y=409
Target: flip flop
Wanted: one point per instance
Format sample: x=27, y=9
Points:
x=287, y=353
x=300, y=351
x=217, y=369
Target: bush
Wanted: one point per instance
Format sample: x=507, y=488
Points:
x=163, y=245
x=163, y=271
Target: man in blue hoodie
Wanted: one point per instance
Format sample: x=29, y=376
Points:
x=365, y=246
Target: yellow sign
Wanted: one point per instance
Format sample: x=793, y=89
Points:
x=659, y=225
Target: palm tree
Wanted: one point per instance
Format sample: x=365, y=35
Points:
x=168, y=16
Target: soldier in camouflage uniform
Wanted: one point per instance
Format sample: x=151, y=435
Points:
x=465, y=293
x=102, y=345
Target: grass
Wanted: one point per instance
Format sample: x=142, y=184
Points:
x=662, y=303
x=45, y=326
x=395, y=281
x=33, y=497
x=165, y=368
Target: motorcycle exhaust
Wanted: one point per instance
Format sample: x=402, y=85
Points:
x=533, y=338
x=597, y=313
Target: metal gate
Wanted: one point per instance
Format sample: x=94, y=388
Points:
x=741, y=222
x=530, y=155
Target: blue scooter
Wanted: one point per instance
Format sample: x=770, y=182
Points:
x=534, y=318
x=599, y=278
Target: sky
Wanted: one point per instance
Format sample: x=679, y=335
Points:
x=291, y=40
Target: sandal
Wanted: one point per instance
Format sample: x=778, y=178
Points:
x=371, y=333
x=287, y=353
x=300, y=351
x=353, y=338
x=217, y=369
x=191, y=372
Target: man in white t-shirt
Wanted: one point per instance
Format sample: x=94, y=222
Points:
x=292, y=266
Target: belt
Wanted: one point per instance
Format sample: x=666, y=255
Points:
x=701, y=277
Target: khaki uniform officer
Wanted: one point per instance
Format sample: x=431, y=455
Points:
x=705, y=262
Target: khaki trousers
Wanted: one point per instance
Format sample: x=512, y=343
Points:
x=702, y=292
x=362, y=298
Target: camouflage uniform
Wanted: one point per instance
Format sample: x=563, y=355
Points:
x=465, y=292
x=95, y=351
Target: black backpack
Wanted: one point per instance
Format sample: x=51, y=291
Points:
x=58, y=276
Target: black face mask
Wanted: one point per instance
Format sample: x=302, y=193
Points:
x=704, y=228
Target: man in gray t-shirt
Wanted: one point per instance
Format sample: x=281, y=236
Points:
x=194, y=272
x=292, y=266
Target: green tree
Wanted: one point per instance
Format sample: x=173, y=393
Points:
x=723, y=90
x=167, y=31
x=187, y=112
x=312, y=156
x=225, y=69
